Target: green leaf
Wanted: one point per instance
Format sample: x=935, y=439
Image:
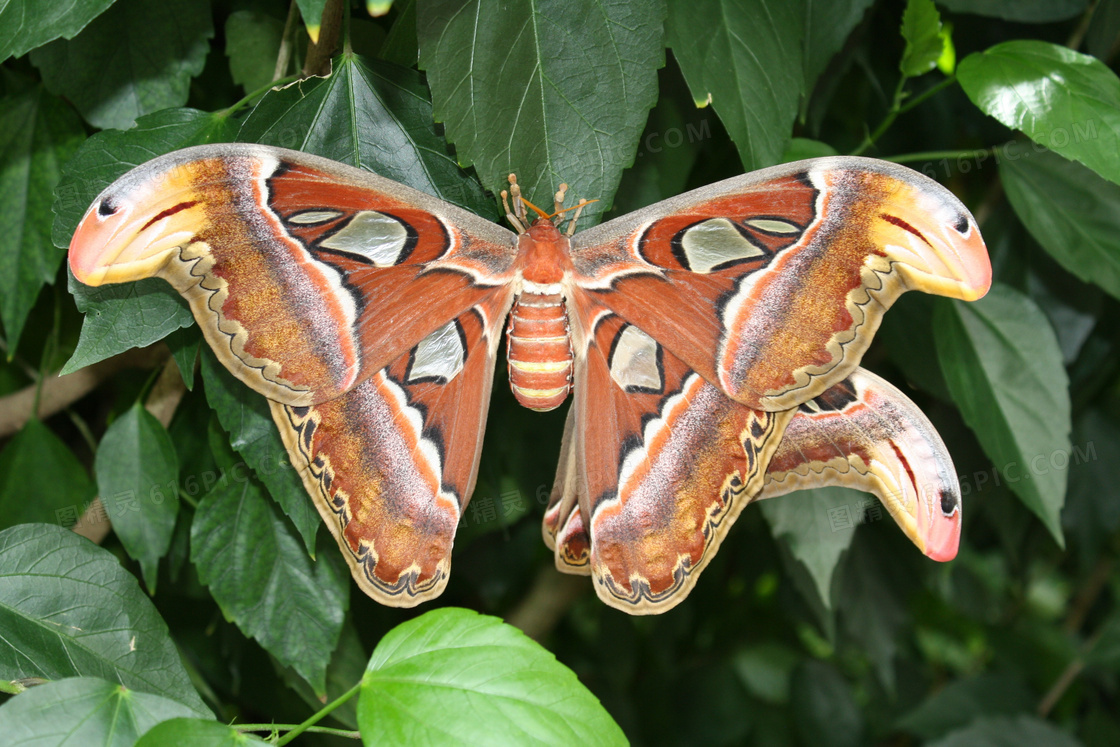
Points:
x=1104, y=29
x=1073, y=213
x=800, y=148
x=828, y=23
x=555, y=90
x=817, y=526
x=872, y=598
x=261, y=577
x=68, y=609
x=184, y=344
x=1004, y=369
x=921, y=28
x=84, y=711
x=41, y=479
x=252, y=44
x=37, y=134
x=137, y=470
x=1089, y=515
x=371, y=115
x=401, y=46
x=136, y=58
x=108, y=155
x=453, y=676
x=348, y=663
x=193, y=732
x=122, y=317
x=1000, y=731
x=1066, y=101
x=26, y=24
x=766, y=669
x=312, y=12
x=1105, y=651
x=745, y=59
x=132, y=315
x=1024, y=11
x=825, y=713
x=246, y=416
x=963, y=701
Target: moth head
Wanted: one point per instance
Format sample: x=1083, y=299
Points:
x=931, y=237
x=138, y=224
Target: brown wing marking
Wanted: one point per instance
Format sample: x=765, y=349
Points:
x=771, y=285
x=392, y=463
x=669, y=463
x=305, y=276
x=864, y=433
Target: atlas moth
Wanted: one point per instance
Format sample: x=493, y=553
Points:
x=712, y=343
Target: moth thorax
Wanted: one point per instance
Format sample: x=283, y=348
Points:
x=539, y=351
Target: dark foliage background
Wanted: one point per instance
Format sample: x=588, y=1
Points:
x=817, y=623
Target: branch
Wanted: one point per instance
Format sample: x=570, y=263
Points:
x=59, y=392
x=165, y=396
x=549, y=598
x=318, y=60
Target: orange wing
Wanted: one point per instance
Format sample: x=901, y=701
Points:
x=771, y=285
x=392, y=463
x=306, y=276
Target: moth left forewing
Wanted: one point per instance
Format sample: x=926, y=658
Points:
x=865, y=434
x=669, y=463
x=305, y=275
x=771, y=285
x=391, y=464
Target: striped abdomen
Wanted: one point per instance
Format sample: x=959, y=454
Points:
x=539, y=351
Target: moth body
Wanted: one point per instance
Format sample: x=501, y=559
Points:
x=538, y=338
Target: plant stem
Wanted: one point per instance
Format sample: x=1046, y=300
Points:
x=937, y=155
x=931, y=91
x=311, y=729
x=318, y=716
x=260, y=91
x=897, y=107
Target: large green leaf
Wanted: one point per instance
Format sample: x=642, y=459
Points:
x=372, y=115
x=246, y=416
x=1004, y=369
x=825, y=713
x=68, y=609
x=828, y=23
x=452, y=676
x=745, y=59
x=312, y=12
x=817, y=527
x=26, y=24
x=193, y=732
x=108, y=155
x=122, y=317
x=1001, y=731
x=41, y=479
x=554, y=90
x=37, y=134
x=84, y=711
x=261, y=577
x=137, y=471
x=135, y=314
x=1026, y=11
x=1066, y=101
x=1073, y=213
x=136, y=58
x=962, y=701
x=252, y=43
x=921, y=28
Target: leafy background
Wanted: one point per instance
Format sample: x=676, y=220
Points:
x=216, y=599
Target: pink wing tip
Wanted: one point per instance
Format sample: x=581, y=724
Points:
x=944, y=537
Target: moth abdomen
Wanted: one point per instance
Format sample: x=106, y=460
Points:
x=539, y=350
